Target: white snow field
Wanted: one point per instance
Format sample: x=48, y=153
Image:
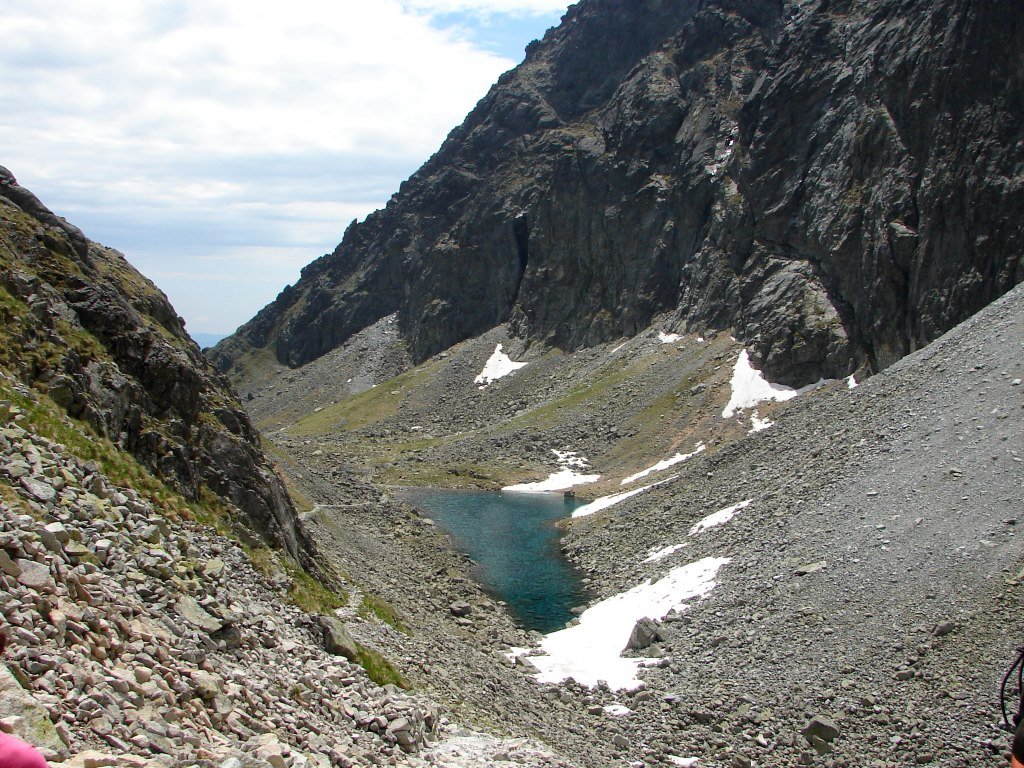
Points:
x=718, y=518
x=590, y=651
x=665, y=464
x=661, y=554
x=567, y=477
x=498, y=366
x=749, y=388
x=609, y=501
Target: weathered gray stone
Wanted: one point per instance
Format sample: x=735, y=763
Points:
x=59, y=532
x=35, y=575
x=337, y=639
x=39, y=730
x=821, y=728
x=645, y=633
x=40, y=491
x=8, y=566
x=193, y=613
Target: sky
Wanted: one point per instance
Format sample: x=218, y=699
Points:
x=223, y=145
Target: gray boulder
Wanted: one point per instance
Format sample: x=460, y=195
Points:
x=645, y=633
x=337, y=639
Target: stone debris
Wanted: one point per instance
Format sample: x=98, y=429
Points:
x=138, y=641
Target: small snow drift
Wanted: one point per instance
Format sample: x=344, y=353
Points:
x=661, y=465
x=749, y=388
x=562, y=480
x=668, y=338
x=609, y=501
x=661, y=554
x=590, y=651
x=757, y=424
x=718, y=518
x=498, y=366
x=618, y=710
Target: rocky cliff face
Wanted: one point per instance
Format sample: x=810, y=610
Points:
x=81, y=325
x=836, y=181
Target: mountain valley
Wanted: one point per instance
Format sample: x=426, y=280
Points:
x=746, y=286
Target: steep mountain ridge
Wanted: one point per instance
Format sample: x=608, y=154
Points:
x=837, y=182
x=149, y=626
x=81, y=325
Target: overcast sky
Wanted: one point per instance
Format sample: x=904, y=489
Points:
x=221, y=145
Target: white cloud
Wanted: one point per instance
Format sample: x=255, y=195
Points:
x=177, y=119
x=489, y=6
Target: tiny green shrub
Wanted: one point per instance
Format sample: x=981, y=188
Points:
x=379, y=669
x=310, y=594
x=371, y=605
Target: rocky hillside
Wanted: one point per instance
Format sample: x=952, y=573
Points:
x=148, y=625
x=837, y=181
x=82, y=326
x=869, y=583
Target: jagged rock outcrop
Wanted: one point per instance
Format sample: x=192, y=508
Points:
x=836, y=180
x=80, y=324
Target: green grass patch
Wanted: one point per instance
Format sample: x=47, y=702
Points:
x=311, y=595
x=379, y=669
x=377, y=607
x=447, y=475
x=306, y=591
x=366, y=408
x=13, y=499
x=596, y=387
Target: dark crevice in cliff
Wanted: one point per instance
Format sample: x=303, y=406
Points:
x=521, y=229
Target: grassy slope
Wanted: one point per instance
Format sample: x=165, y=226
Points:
x=650, y=395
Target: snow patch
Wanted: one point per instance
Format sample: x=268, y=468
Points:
x=570, y=459
x=851, y=382
x=679, y=457
x=718, y=518
x=683, y=762
x=590, y=650
x=618, y=710
x=749, y=388
x=661, y=554
x=758, y=424
x=668, y=338
x=607, y=501
x=498, y=366
x=562, y=480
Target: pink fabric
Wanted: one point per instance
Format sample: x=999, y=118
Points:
x=15, y=753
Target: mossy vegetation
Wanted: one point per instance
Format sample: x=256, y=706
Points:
x=45, y=418
x=366, y=408
x=306, y=591
x=373, y=606
x=378, y=668
x=311, y=595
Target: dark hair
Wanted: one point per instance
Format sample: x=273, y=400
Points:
x=1018, y=742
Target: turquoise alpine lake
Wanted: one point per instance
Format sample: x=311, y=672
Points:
x=515, y=544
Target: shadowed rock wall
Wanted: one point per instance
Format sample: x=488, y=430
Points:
x=82, y=325
x=838, y=182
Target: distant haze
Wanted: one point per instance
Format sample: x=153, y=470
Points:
x=205, y=340
x=223, y=146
